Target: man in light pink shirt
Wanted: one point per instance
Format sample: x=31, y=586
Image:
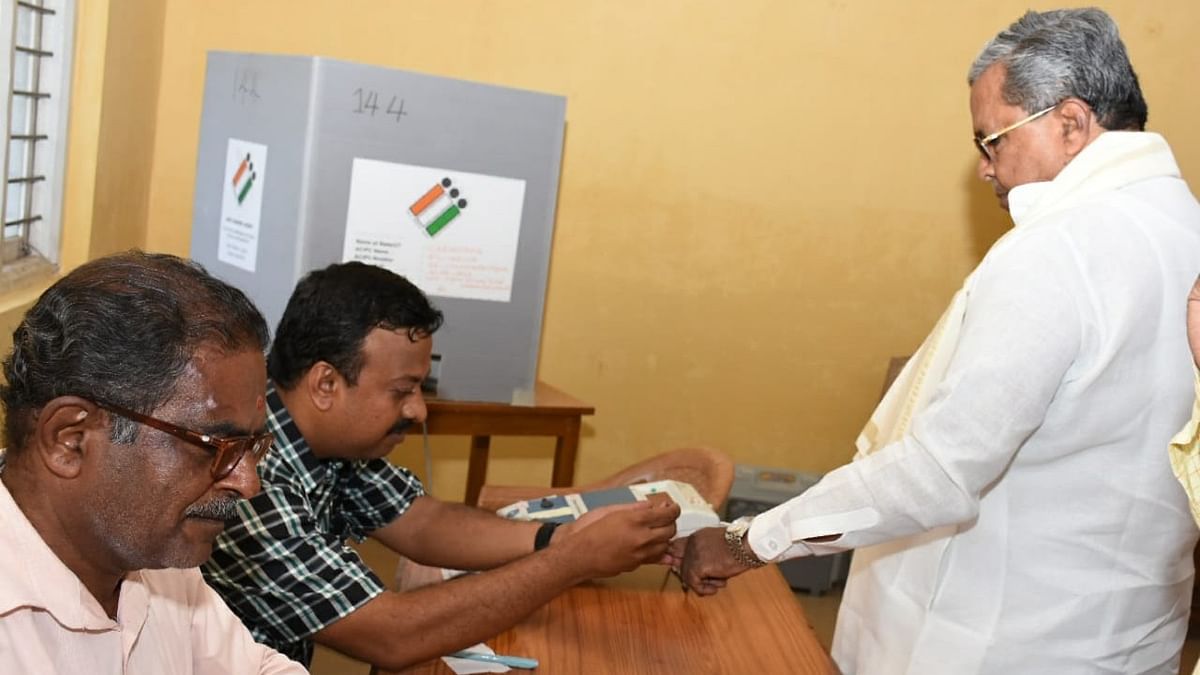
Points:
x=134, y=417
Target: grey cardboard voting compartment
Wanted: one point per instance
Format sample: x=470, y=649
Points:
x=308, y=112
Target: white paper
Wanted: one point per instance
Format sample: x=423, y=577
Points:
x=452, y=233
x=464, y=666
x=241, y=203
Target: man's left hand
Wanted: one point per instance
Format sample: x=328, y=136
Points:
x=708, y=562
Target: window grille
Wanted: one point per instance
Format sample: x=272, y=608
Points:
x=36, y=79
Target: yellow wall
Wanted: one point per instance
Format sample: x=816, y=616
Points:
x=118, y=56
x=761, y=201
x=127, y=125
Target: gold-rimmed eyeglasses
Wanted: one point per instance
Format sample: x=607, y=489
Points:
x=227, y=451
x=984, y=143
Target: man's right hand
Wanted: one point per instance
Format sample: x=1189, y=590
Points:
x=616, y=539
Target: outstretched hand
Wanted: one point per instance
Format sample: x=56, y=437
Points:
x=674, y=555
x=575, y=526
x=619, y=538
x=708, y=562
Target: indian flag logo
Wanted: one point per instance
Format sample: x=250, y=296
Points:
x=243, y=179
x=438, y=207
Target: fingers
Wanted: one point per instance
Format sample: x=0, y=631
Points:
x=665, y=530
x=596, y=515
x=653, y=553
x=660, y=514
x=670, y=560
x=692, y=579
x=709, y=586
x=657, y=520
x=675, y=552
x=678, y=546
x=658, y=540
x=707, y=562
x=654, y=525
x=647, y=554
x=650, y=514
x=630, y=506
x=636, y=534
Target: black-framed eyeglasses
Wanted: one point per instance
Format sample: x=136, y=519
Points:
x=227, y=451
x=984, y=143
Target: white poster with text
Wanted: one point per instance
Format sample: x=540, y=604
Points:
x=452, y=233
x=241, y=203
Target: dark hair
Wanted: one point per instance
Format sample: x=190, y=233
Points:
x=1051, y=56
x=331, y=312
x=121, y=329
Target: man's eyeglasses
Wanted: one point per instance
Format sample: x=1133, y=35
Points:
x=227, y=452
x=985, y=143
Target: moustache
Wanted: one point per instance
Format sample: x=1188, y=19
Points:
x=401, y=427
x=217, y=509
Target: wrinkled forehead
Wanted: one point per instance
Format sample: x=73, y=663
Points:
x=989, y=110
x=219, y=385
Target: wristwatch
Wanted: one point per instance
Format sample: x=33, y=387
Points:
x=735, y=533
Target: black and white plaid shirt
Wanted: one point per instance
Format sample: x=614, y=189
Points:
x=284, y=567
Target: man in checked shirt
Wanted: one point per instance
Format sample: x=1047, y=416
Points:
x=346, y=368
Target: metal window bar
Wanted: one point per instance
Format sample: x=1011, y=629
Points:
x=31, y=136
x=41, y=9
x=32, y=51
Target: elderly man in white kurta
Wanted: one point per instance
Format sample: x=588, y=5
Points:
x=1012, y=500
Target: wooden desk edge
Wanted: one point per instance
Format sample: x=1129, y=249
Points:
x=547, y=400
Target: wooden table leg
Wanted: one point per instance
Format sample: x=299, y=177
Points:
x=477, y=468
x=564, y=456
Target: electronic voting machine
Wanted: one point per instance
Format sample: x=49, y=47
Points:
x=695, y=513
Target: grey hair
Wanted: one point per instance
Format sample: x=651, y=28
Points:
x=121, y=329
x=1051, y=56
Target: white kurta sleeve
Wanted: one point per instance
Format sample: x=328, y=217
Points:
x=1019, y=338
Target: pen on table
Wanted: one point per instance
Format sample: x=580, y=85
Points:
x=510, y=661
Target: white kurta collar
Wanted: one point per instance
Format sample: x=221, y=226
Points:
x=1115, y=159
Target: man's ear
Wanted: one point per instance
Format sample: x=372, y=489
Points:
x=1079, y=125
x=66, y=429
x=324, y=385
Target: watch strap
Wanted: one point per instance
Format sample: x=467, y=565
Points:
x=735, y=535
x=542, y=539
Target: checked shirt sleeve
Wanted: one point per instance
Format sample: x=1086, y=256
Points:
x=284, y=575
x=375, y=494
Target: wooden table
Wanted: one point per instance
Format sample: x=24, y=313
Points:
x=553, y=413
x=636, y=624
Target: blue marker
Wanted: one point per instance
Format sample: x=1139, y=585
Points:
x=510, y=661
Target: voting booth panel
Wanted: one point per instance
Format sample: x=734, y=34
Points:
x=306, y=161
